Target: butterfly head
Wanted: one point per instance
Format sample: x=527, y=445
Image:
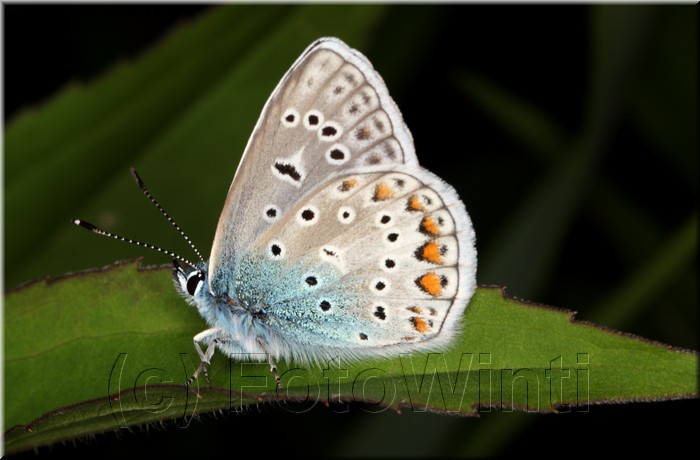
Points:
x=190, y=281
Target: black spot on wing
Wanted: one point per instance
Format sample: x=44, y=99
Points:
x=287, y=169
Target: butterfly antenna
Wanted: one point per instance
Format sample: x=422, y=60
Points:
x=99, y=231
x=145, y=191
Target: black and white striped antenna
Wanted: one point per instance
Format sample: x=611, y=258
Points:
x=142, y=186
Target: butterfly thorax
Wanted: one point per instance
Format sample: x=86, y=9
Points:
x=244, y=317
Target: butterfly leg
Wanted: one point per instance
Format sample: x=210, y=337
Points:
x=273, y=366
x=204, y=356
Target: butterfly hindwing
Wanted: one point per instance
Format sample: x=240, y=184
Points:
x=367, y=261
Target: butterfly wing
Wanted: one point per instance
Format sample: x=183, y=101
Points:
x=332, y=235
x=366, y=264
x=330, y=113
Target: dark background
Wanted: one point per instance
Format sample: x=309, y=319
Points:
x=542, y=54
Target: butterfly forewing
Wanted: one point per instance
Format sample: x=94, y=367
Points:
x=331, y=113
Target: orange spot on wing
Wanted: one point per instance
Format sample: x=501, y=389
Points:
x=414, y=204
x=429, y=225
x=420, y=325
x=347, y=184
x=383, y=192
x=417, y=310
x=431, y=283
x=363, y=133
x=431, y=252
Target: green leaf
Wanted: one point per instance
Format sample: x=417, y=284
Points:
x=110, y=348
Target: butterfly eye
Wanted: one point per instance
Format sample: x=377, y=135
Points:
x=194, y=281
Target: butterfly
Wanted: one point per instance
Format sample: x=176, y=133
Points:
x=333, y=241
